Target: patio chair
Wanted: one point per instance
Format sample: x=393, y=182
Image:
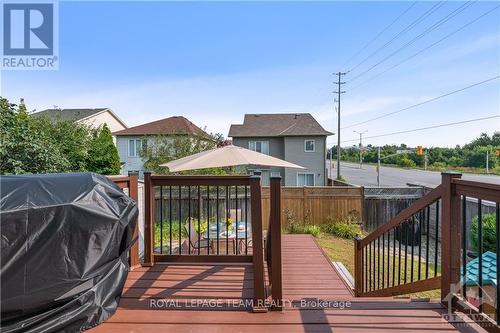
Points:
x=193, y=238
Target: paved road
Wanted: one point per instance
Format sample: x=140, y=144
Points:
x=400, y=177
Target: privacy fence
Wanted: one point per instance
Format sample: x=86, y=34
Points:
x=315, y=205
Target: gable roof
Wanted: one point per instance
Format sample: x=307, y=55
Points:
x=278, y=124
x=74, y=114
x=168, y=126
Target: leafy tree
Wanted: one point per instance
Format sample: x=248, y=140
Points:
x=42, y=145
x=72, y=139
x=162, y=149
x=103, y=156
x=485, y=140
x=471, y=155
x=406, y=162
x=24, y=146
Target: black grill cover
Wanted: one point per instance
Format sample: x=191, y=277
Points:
x=64, y=250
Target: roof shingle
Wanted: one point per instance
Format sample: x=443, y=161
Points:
x=169, y=126
x=282, y=124
x=68, y=114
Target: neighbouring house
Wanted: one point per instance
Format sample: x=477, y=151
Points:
x=294, y=137
x=129, y=141
x=91, y=117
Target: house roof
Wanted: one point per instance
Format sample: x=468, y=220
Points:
x=282, y=124
x=68, y=114
x=74, y=114
x=169, y=126
x=489, y=264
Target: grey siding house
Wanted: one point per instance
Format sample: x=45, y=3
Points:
x=130, y=141
x=294, y=137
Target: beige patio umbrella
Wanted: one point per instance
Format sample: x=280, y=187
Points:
x=226, y=156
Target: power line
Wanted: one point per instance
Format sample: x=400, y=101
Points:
x=428, y=127
x=433, y=27
x=379, y=34
x=426, y=48
x=406, y=29
x=424, y=102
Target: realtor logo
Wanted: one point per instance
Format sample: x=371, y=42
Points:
x=29, y=32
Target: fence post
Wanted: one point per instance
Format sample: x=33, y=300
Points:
x=358, y=267
x=257, y=247
x=275, y=234
x=148, y=220
x=363, y=213
x=133, y=192
x=450, y=235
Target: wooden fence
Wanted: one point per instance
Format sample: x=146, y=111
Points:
x=314, y=205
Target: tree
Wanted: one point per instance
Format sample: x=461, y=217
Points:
x=103, y=156
x=42, y=145
x=162, y=149
x=73, y=140
x=24, y=146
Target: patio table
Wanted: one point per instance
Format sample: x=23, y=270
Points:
x=230, y=238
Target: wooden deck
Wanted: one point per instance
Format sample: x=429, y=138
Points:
x=180, y=298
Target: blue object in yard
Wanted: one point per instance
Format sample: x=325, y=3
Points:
x=489, y=270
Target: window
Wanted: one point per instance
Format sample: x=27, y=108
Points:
x=309, y=146
x=275, y=174
x=259, y=146
x=134, y=146
x=305, y=179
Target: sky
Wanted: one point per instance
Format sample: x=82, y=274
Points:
x=212, y=62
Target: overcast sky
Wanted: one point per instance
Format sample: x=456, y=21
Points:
x=214, y=62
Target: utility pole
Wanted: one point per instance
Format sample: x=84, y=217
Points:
x=361, y=147
x=378, y=167
x=339, y=92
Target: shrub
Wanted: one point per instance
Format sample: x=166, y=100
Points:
x=489, y=233
x=295, y=228
x=406, y=162
x=312, y=230
x=343, y=229
x=439, y=165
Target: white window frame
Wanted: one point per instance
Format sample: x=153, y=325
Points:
x=314, y=146
x=254, y=143
x=275, y=174
x=305, y=174
x=136, y=142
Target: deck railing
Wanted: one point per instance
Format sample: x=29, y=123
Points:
x=425, y=247
x=273, y=246
x=203, y=219
x=130, y=183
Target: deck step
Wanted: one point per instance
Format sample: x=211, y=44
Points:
x=344, y=274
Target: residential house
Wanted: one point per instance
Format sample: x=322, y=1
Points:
x=91, y=117
x=294, y=137
x=129, y=141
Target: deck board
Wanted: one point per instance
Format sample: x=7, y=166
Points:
x=307, y=275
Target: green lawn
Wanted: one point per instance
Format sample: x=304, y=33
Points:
x=339, y=249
